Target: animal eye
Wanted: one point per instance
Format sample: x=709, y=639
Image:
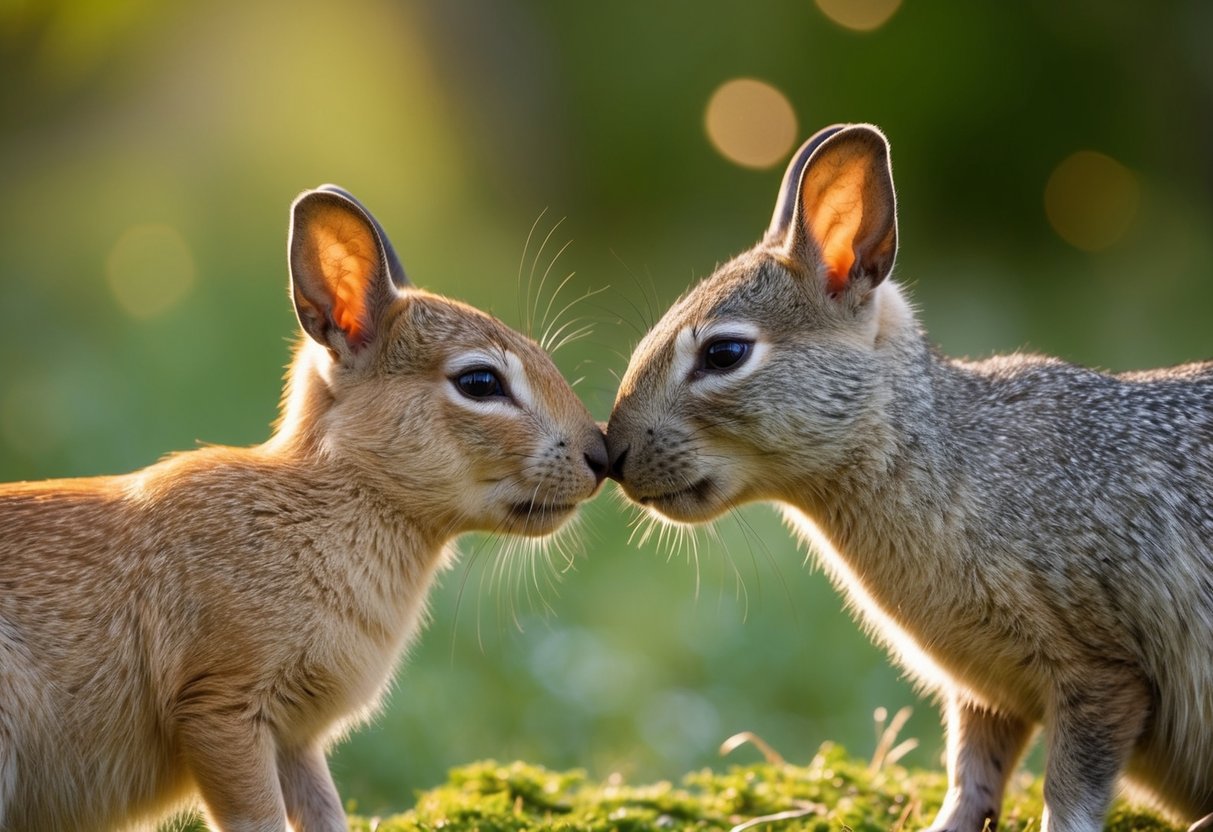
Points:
x=726, y=354
x=479, y=384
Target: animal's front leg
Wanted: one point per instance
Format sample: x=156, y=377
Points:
x=983, y=749
x=312, y=802
x=231, y=757
x=1093, y=724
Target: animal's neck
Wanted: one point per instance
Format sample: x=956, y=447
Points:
x=307, y=484
x=299, y=430
x=895, y=504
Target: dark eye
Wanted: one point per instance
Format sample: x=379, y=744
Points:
x=725, y=354
x=479, y=384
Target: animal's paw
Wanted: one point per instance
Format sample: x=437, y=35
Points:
x=962, y=821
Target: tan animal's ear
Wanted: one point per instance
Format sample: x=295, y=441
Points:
x=844, y=223
x=343, y=270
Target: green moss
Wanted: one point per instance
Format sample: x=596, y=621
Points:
x=833, y=792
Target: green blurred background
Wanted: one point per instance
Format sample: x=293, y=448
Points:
x=1055, y=182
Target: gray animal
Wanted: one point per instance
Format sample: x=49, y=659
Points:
x=1032, y=540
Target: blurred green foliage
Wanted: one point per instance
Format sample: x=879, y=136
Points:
x=148, y=152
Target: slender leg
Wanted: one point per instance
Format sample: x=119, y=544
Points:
x=7, y=776
x=312, y=803
x=232, y=760
x=983, y=749
x=1092, y=729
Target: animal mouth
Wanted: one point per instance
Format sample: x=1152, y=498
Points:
x=697, y=491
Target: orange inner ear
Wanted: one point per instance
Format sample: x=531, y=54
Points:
x=347, y=261
x=834, y=215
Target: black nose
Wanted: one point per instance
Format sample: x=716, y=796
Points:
x=616, y=471
x=597, y=460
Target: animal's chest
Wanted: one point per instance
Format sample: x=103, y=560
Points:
x=330, y=685
x=338, y=680
x=950, y=631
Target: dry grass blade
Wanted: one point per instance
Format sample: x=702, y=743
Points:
x=911, y=807
x=803, y=810
x=737, y=740
x=886, y=753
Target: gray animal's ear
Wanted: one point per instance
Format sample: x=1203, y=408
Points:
x=790, y=189
x=341, y=265
x=844, y=219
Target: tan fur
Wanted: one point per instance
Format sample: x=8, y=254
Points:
x=209, y=624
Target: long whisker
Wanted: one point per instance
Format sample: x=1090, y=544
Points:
x=543, y=281
x=547, y=310
x=522, y=260
x=467, y=572
x=652, y=315
x=531, y=278
x=588, y=294
x=644, y=325
x=571, y=322
x=572, y=337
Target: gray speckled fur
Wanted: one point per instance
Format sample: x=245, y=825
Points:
x=1031, y=539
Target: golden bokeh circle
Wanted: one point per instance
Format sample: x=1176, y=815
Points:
x=149, y=269
x=859, y=15
x=751, y=123
x=1091, y=200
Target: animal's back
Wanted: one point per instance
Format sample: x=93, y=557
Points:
x=1069, y=460
x=1101, y=488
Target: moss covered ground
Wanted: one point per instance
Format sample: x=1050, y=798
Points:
x=832, y=792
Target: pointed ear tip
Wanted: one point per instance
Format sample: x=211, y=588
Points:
x=870, y=132
x=307, y=198
x=832, y=128
x=330, y=195
x=818, y=137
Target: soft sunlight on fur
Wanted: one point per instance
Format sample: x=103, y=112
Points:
x=923, y=671
x=253, y=602
x=1029, y=538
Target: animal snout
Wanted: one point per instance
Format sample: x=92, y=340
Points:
x=616, y=470
x=596, y=457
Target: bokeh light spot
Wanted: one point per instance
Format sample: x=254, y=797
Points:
x=751, y=123
x=859, y=15
x=149, y=269
x=1091, y=200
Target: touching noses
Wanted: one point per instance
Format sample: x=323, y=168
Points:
x=616, y=470
x=617, y=451
x=596, y=457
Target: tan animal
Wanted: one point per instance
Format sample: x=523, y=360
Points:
x=1032, y=540
x=208, y=625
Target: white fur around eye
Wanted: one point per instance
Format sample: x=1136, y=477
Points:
x=689, y=346
x=508, y=368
